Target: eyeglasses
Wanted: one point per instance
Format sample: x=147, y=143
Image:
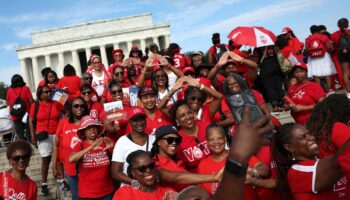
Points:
x=76, y=106
x=46, y=92
x=194, y=98
x=86, y=93
x=118, y=73
x=171, y=140
x=143, y=169
x=96, y=62
x=19, y=157
x=120, y=91
x=87, y=78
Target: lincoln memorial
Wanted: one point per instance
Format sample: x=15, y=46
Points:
x=73, y=44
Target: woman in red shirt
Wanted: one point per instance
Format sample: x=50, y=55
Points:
x=304, y=94
x=172, y=172
x=91, y=153
x=18, y=88
x=43, y=120
x=70, y=82
x=51, y=79
x=66, y=130
x=15, y=184
x=301, y=175
x=193, y=147
x=118, y=58
x=144, y=186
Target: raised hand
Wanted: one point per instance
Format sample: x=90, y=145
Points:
x=108, y=142
x=223, y=59
x=97, y=144
x=191, y=81
x=179, y=84
x=235, y=57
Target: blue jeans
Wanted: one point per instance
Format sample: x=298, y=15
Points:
x=107, y=197
x=73, y=184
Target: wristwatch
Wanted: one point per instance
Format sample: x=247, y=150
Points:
x=235, y=168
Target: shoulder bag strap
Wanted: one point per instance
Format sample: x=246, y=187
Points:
x=5, y=185
x=48, y=121
x=147, y=144
x=36, y=109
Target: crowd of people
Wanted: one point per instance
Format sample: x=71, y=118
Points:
x=175, y=134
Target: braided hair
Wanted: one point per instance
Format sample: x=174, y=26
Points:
x=334, y=108
x=132, y=157
x=283, y=158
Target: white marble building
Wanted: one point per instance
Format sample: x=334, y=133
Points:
x=73, y=44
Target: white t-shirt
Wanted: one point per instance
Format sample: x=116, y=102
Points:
x=98, y=83
x=125, y=146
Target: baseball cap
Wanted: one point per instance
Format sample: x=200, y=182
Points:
x=188, y=69
x=286, y=30
x=135, y=111
x=165, y=130
x=300, y=65
x=146, y=90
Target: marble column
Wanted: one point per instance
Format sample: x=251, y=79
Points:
x=76, y=62
x=36, y=72
x=60, y=65
x=155, y=40
x=167, y=40
x=116, y=46
x=47, y=61
x=143, y=44
x=129, y=45
x=25, y=72
x=104, y=56
x=88, y=53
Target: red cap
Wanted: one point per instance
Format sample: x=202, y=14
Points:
x=187, y=69
x=286, y=30
x=147, y=90
x=300, y=65
x=87, y=121
x=135, y=112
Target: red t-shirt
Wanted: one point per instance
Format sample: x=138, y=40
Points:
x=335, y=37
x=189, y=151
x=128, y=193
x=97, y=111
x=171, y=165
x=181, y=61
x=296, y=45
x=13, y=93
x=52, y=86
x=304, y=94
x=46, y=120
x=301, y=179
x=108, y=96
x=224, y=108
x=94, y=179
x=152, y=124
x=322, y=38
x=73, y=83
x=24, y=189
x=65, y=132
x=340, y=134
x=209, y=166
x=122, y=120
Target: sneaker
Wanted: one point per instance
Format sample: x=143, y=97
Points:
x=44, y=189
x=66, y=186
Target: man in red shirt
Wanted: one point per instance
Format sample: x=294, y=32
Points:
x=341, y=39
x=180, y=60
x=216, y=51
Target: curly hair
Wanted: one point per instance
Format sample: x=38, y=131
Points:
x=175, y=107
x=334, y=108
x=283, y=158
x=18, y=145
x=132, y=157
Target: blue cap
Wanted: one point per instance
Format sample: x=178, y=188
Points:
x=165, y=130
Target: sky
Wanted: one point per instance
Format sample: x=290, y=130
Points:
x=192, y=22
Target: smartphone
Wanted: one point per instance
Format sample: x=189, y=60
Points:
x=237, y=101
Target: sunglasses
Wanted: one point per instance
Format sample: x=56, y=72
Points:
x=196, y=98
x=189, y=73
x=76, y=106
x=87, y=78
x=117, y=91
x=201, y=146
x=171, y=140
x=96, y=62
x=143, y=169
x=86, y=93
x=19, y=157
x=47, y=91
x=118, y=73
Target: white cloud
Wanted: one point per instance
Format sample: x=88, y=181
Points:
x=259, y=15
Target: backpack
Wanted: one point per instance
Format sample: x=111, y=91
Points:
x=219, y=51
x=344, y=40
x=316, y=48
x=18, y=108
x=284, y=63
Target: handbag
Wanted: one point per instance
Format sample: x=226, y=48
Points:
x=43, y=134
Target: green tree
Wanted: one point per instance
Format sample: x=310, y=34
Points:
x=3, y=90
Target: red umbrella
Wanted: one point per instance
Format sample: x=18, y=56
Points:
x=252, y=36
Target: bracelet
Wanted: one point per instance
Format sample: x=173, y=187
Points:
x=201, y=87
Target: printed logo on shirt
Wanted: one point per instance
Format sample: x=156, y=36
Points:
x=195, y=153
x=273, y=164
x=75, y=140
x=213, y=188
x=92, y=160
x=93, y=113
x=18, y=196
x=70, y=131
x=340, y=186
x=299, y=94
